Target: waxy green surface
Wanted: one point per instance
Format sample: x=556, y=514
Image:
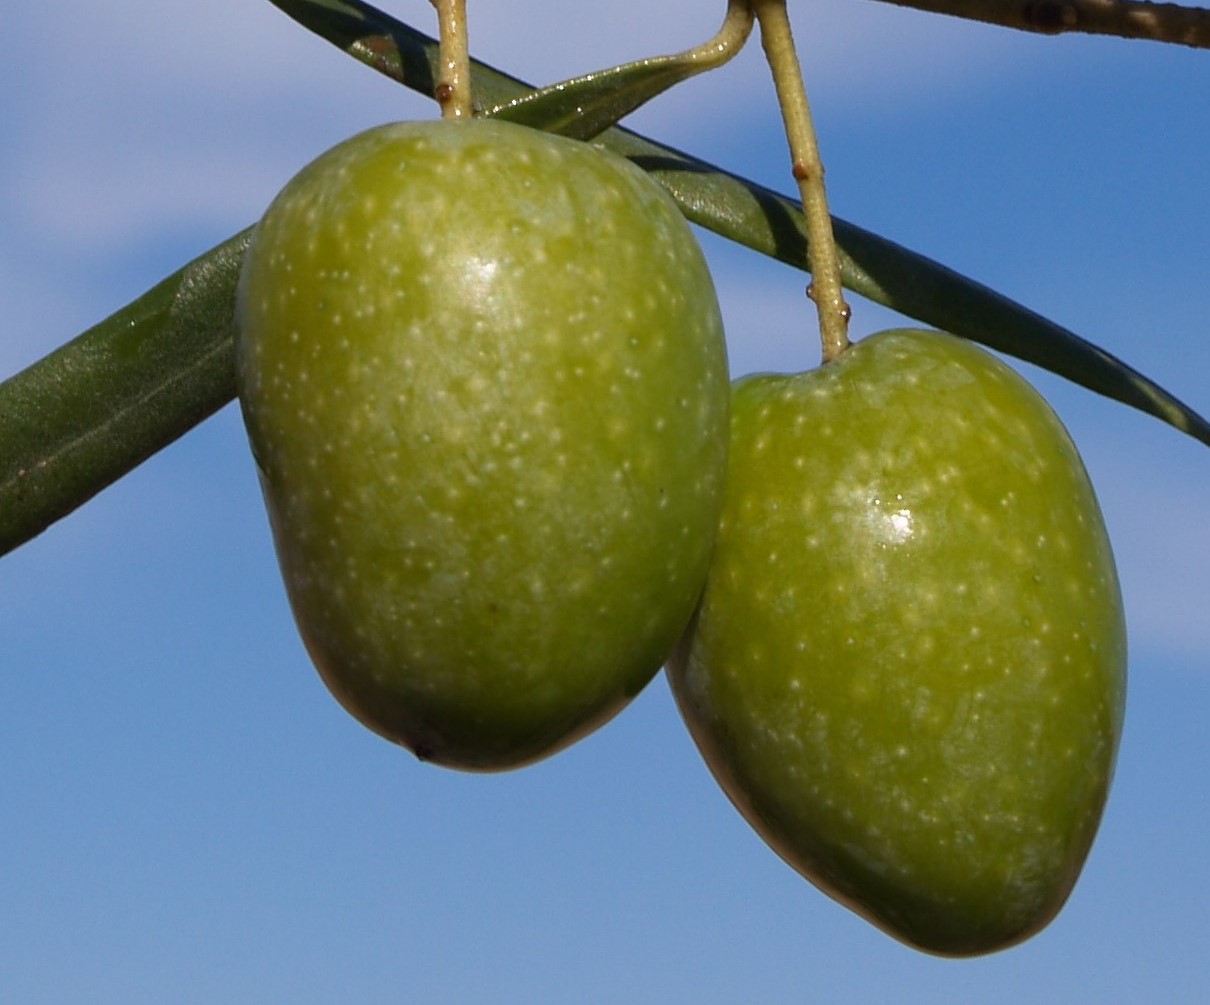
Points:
x=483, y=374
x=908, y=670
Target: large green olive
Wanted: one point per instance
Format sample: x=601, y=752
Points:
x=908, y=668
x=483, y=374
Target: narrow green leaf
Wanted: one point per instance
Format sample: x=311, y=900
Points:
x=95, y=408
x=585, y=107
x=772, y=224
x=903, y=280
x=367, y=34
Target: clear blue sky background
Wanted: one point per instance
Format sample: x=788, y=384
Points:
x=185, y=814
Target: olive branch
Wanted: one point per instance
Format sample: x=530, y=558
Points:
x=1137, y=19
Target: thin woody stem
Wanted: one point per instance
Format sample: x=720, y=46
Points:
x=453, y=91
x=1158, y=22
x=826, y=288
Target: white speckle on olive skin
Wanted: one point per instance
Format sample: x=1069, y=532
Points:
x=908, y=666
x=509, y=333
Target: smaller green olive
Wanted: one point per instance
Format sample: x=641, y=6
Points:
x=908, y=667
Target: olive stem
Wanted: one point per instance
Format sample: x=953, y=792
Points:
x=730, y=38
x=826, y=288
x=453, y=91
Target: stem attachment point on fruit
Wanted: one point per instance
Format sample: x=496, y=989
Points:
x=453, y=91
x=807, y=167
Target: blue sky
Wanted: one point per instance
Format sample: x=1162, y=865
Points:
x=189, y=817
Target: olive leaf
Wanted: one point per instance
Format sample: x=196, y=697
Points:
x=97, y=407
x=586, y=106
x=772, y=224
x=91, y=411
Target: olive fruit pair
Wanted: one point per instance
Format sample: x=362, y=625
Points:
x=483, y=375
x=484, y=379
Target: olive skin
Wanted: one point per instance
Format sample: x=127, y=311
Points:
x=483, y=375
x=908, y=668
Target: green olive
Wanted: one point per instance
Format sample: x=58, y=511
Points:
x=908, y=668
x=483, y=374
